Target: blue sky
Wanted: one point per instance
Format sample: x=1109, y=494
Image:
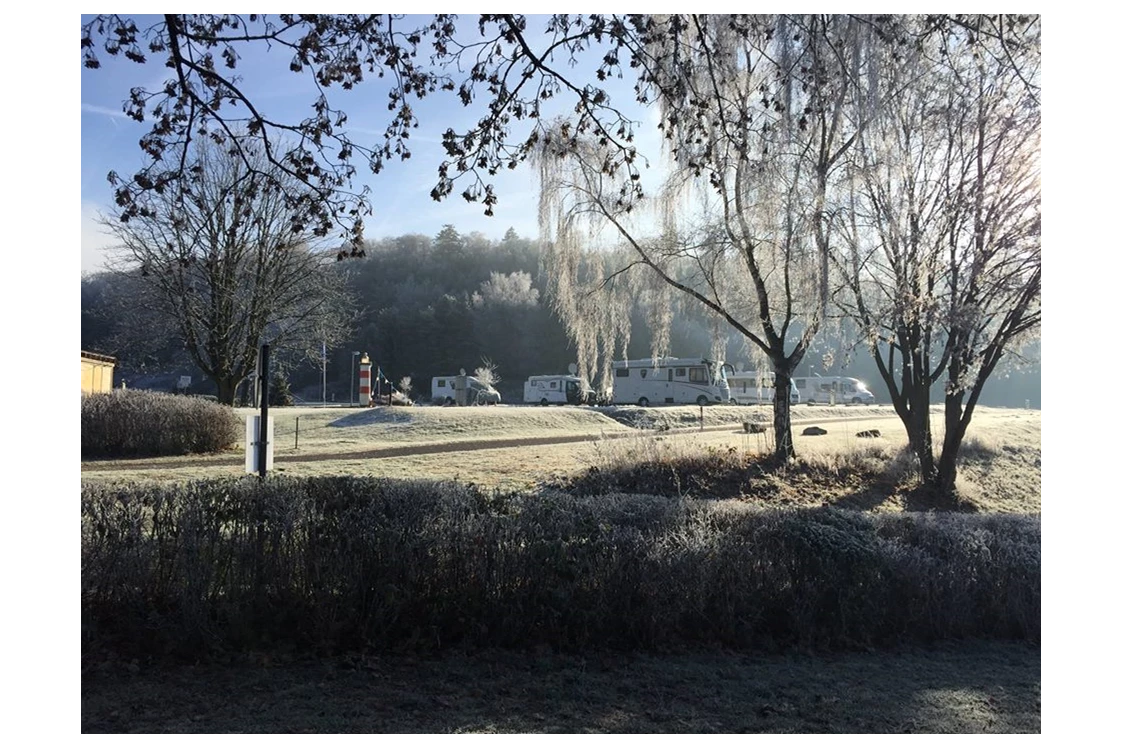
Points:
x=400, y=193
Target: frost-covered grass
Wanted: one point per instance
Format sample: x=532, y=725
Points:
x=342, y=429
x=1000, y=469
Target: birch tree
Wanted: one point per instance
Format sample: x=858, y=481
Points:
x=944, y=243
x=760, y=113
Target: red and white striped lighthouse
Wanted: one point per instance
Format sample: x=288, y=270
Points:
x=364, y=381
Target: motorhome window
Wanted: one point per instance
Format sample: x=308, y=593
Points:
x=643, y=373
x=698, y=374
x=553, y=385
x=621, y=372
x=440, y=382
x=800, y=384
x=680, y=372
x=850, y=387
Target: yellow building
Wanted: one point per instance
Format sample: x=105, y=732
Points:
x=97, y=372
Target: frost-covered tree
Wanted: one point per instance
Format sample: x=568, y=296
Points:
x=220, y=261
x=504, y=309
x=744, y=225
x=944, y=241
x=506, y=67
x=487, y=372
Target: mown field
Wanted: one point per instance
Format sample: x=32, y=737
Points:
x=1000, y=470
x=947, y=686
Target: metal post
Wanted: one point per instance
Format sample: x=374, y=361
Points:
x=351, y=395
x=324, y=375
x=263, y=427
x=297, y=444
x=255, y=400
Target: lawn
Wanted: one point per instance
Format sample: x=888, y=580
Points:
x=501, y=446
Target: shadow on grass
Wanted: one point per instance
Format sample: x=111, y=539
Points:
x=733, y=475
x=961, y=687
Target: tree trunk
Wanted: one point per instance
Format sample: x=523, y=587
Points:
x=782, y=418
x=947, y=471
x=955, y=428
x=920, y=442
x=912, y=402
x=913, y=409
x=227, y=387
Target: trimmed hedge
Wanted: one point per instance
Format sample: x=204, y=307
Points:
x=138, y=423
x=336, y=564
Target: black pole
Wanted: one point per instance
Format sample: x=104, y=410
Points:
x=263, y=427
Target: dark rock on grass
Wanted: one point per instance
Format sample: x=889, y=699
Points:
x=814, y=431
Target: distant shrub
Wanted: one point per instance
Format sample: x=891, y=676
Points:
x=400, y=398
x=280, y=393
x=333, y=564
x=138, y=423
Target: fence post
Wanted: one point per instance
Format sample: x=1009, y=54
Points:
x=297, y=445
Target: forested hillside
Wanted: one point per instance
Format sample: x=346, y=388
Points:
x=426, y=306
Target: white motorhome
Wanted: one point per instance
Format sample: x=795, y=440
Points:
x=756, y=387
x=444, y=390
x=646, y=381
x=834, y=390
x=562, y=389
x=475, y=392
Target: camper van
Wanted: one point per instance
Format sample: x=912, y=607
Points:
x=474, y=391
x=562, y=389
x=754, y=388
x=833, y=390
x=646, y=381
